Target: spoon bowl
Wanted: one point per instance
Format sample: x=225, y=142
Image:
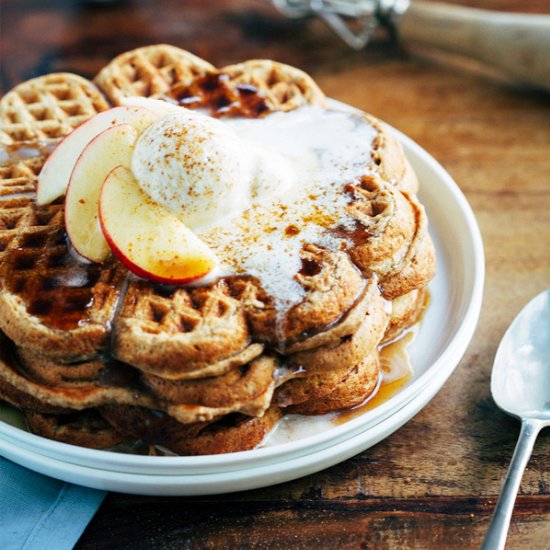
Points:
x=520, y=382
x=520, y=385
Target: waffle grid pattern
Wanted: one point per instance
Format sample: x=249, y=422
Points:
x=47, y=108
x=149, y=72
x=38, y=267
x=20, y=177
x=285, y=88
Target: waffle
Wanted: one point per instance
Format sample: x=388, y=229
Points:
x=387, y=155
x=98, y=358
x=85, y=429
x=149, y=72
x=406, y=311
x=48, y=301
x=20, y=177
x=321, y=370
x=247, y=389
x=355, y=388
x=47, y=108
x=63, y=375
x=284, y=87
x=392, y=240
x=231, y=433
x=180, y=333
x=47, y=398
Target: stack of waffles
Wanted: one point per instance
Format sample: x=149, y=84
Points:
x=96, y=357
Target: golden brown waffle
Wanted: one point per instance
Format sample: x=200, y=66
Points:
x=180, y=333
x=12, y=216
x=20, y=177
x=50, y=390
x=85, y=429
x=49, y=302
x=406, y=311
x=162, y=70
x=47, y=108
x=234, y=432
x=229, y=434
x=149, y=72
x=354, y=389
x=387, y=155
x=45, y=397
x=42, y=369
x=392, y=237
x=194, y=370
x=16, y=393
x=247, y=389
x=284, y=87
x=321, y=370
x=333, y=288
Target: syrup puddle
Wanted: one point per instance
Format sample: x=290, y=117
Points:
x=395, y=370
x=385, y=392
x=12, y=416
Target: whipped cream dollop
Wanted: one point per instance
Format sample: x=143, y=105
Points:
x=257, y=190
x=192, y=165
x=199, y=168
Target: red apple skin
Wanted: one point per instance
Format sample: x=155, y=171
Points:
x=136, y=270
x=208, y=263
x=75, y=213
x=56, y=172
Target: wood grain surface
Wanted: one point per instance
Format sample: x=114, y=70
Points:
x=433, y=484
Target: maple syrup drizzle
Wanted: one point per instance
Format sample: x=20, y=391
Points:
x=394, y=358
x=214, y=92
x=385, y=392
x=53, y=286
x=391, y=357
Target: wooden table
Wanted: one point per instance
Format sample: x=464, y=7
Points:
x=433, y=484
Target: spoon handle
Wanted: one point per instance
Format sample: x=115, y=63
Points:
x=498, y=530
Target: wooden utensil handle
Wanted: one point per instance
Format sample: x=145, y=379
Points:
x=517, y=43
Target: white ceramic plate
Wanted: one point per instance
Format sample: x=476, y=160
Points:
x=445, y=333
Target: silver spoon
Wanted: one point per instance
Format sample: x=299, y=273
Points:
x=520, y=384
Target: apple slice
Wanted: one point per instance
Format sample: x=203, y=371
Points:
x=159, y=106
x=149, y=240
x=56, y=172
x=108, y=149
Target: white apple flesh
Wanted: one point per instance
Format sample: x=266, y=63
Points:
x=56, y=172
x=110, y=148
x=159, y=106
x=151, y=241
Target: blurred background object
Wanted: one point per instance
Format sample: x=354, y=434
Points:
x=65, y=34
x=516, y=43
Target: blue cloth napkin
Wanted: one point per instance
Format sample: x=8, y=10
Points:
x=41, y=513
